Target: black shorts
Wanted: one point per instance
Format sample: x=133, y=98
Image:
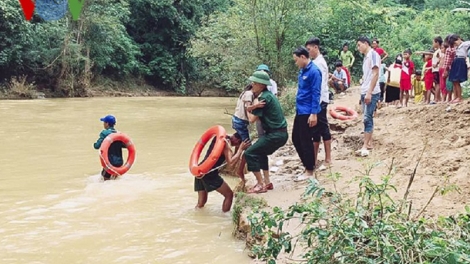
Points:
x=322, y=129
x=210, y=182
x=436, y=77
x=105, y=174
x=392, y=94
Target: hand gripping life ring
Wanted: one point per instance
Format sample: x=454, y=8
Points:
x=117, y=171
x=351, y=114
x=197, y=169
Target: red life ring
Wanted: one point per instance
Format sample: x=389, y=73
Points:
x=197, y=169
x=117, y=171
x=351, y=114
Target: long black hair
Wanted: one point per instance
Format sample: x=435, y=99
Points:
x=399, y=59
x=247, y=88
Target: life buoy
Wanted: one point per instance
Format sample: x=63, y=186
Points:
x=351, y=114
x=117, y=171
x=197, y=169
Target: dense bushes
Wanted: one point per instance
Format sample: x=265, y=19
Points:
x=189, y=46
x=262, y=31
x=112, y=39
x=369, y=228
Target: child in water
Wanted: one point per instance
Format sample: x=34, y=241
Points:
x=115, y=149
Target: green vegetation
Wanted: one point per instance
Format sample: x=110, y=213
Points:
x=251, y=32
x=370, y=228
x=191, y=46
x=144, y=40
x=244, y=201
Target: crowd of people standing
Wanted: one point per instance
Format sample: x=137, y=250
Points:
x=258, y=104
x=439, y=81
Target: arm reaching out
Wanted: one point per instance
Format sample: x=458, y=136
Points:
x=232, y=159
x=259, y=104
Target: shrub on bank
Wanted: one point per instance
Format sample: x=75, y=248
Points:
x=19, y=87
x=372, y=228
x=287, y=100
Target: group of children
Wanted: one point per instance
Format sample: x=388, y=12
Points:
x=445, y=68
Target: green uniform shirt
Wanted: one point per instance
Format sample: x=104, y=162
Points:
x=347, y=58
x=115, y=149
x=270, y=115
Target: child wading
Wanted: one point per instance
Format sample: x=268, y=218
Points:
x=115, y=149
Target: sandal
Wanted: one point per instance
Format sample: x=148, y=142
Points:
x=301, y=178
x=257, y=189
x=362, y=152
x=324, y=167
x=269, y=186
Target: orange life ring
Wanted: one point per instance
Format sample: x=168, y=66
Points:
x=117, y=171
x=351, y=114
x=197, y=169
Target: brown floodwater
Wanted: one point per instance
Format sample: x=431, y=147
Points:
x=55, y=209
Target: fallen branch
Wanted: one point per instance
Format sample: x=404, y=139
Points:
x=429, y=201
x=228, y=113
x=412, y=177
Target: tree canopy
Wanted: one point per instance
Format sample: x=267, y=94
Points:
x=188, y=46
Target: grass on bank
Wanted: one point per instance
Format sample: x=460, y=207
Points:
x=244, y=201
x=370, y=228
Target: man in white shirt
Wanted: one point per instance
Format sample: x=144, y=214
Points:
x=273, y=87
x=322, y=127
x=370, y=91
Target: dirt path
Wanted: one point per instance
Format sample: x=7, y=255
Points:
x=401, y=135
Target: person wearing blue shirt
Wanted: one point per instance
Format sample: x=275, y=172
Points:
x=307, y=107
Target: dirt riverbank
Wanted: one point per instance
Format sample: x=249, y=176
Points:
x=401, y=135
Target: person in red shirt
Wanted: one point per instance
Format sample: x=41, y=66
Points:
x=382, y=53
x=408, y=68
x=428, y=75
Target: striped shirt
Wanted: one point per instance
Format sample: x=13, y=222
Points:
x=449, y=58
